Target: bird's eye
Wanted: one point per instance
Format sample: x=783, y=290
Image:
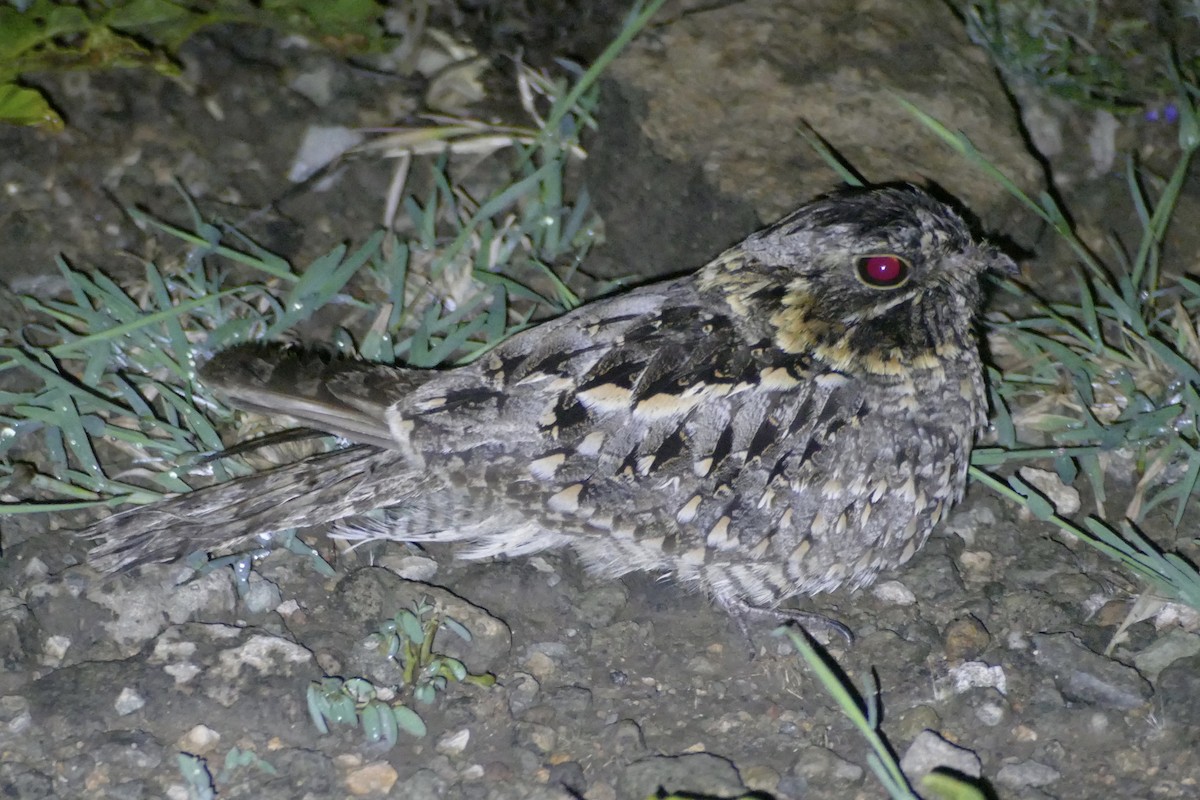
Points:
x=884, y=271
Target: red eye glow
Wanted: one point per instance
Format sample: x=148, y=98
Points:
x=883, y=271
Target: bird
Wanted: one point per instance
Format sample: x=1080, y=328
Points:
x=792, y=418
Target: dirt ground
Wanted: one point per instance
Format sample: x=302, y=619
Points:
x=992, y=637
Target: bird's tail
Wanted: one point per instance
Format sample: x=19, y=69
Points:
x=318, y=489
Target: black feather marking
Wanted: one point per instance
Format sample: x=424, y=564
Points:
x=764, y=437
x=615, y=371
x=671, y=447
x=569, y=413
x=723, y=446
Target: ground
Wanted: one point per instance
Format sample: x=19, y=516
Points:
x=993, y=636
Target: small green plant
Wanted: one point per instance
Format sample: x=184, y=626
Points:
x=408, y=639
x=1086, y=51
x=38, y=36
x=196, y=776
x=357, y=701
x=237, y=759
x=383, y=712
x=1118, y=369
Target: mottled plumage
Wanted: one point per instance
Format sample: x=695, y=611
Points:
x=794, y=417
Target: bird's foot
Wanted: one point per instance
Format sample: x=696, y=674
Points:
x=818, y=626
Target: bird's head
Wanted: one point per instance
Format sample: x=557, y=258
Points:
x=883, y=280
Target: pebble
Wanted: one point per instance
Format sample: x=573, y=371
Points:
x=929, y=751
x=1064, y=498
x=1165, y=650
x=978, y=675
x=894, y=593
x=965, y=639
x=1086, y=677
x=1027, y=774
x=199, y=740
x=453, y=744
x=701, y=773
x=1179, y=692
x=128, y=701
x=375, y=778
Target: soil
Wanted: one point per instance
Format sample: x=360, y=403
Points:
x=993, y=637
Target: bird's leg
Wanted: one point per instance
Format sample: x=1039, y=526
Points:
x=741, y=611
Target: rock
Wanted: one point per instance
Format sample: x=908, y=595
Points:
x=375, y=779
x=929, y=751
x=1178, y=690
x=719, y=96
x=1168, y=648
x=1027, y=774
x=965, y=638
x=1086, y=677
x=702, y=773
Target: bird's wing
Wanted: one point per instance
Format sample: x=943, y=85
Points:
x=658, y=381
x=343, y=397
x=664, y=384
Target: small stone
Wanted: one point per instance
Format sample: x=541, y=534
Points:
x=626, y=737
x=976, y=565
x=453, y=744
x=894, y=593
x=914, y=720
x=200, y=740
x=413, y=568
x=523, y=690
x=1179, y=690
x=1111, y=614
x=541, y=665
x=14, y=713
x=423, y=783
x=54, y=649
x=965, y=639
x=261, y=595
x=692, y=772
x=1086, y=677
x=760, y=778
x=820, y=766
x=1166, y=649
x=128, y=701
x=929, y=751
x=599, y=606
x=967, y=522
x=542, y=737
x=1027, y=774
x=375, y=778
x=991, y=714
x=978, y=675
x=288, y=609
x=600, y=791
x=1064, y=498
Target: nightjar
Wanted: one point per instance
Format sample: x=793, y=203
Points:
x=794, y=417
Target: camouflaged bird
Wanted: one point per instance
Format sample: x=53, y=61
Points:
x=794, y=417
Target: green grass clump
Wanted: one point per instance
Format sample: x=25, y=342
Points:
x=1090, y=52
x=40, y=36
x=1110, y=375
x=112, y=413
